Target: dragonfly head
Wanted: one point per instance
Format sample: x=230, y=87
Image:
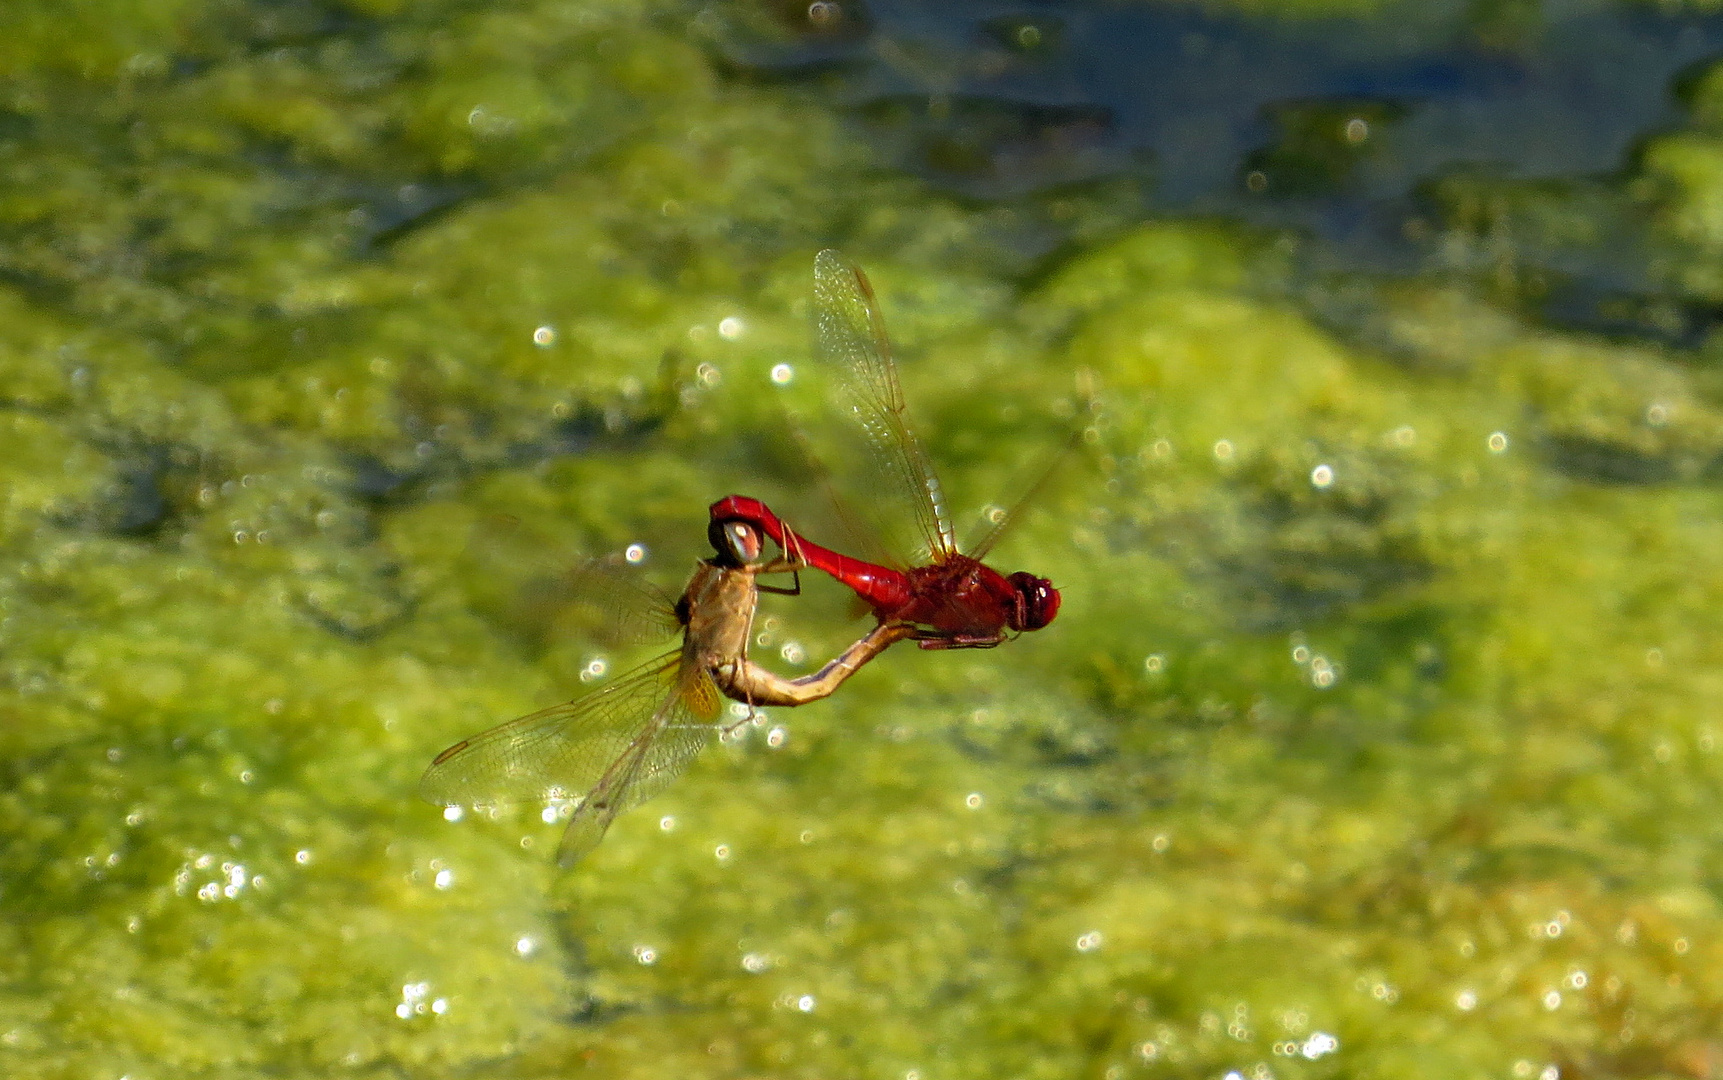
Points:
x=737, y=543
x=1037, y=601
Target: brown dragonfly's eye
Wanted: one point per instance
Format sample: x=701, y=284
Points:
x=738, y=542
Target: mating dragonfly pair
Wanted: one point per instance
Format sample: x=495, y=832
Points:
x=617, y=747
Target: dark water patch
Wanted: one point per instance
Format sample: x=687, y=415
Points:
x=1340, y=128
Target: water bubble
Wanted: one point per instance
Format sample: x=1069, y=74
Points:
x=1466, y=1000
x=793, y=653
x=721, y=852
x=525, y=945
x=973, y=800
x=302, y=856
x=805, y=1003
x=1223, y=450
x=777, y=737
x=594, y=669
x=1552, y=1000
x=1405, y=435
x=454, y=813
x=1154, y=663
x=782, y=374
x=754, y=963
x=646, y=955
x=444, y=879
x=1357, y=130
x=1322, y=476
x=708, y=375
x=544, y=337
x=1497, y=442
x=1323, y=673
x=667, y=823
x=1089, y=942
x=635, y=553
x=731, y=328
x=1318, y=1045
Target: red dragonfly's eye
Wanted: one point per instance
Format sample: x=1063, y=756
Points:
x=1037, y=601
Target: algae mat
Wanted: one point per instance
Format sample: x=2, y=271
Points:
x=1377, y=736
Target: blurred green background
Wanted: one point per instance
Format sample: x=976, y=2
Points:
x=1377, y=737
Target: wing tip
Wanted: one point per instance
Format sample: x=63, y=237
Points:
x=583, y=834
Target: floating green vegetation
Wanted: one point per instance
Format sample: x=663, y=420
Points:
x=1376, y=737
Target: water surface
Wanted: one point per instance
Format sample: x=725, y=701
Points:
x=1376, y=735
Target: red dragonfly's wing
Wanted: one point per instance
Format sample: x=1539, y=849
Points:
x=850, y=336
x=623, y=743
x=997, y=521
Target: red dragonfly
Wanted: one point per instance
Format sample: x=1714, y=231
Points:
x=953, y=600
x=617, y=747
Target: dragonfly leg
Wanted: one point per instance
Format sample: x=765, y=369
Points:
x=794, y=590
x=791, y=562
x=725, y=731
x=934, y=639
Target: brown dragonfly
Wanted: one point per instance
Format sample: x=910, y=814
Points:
x=613, y=749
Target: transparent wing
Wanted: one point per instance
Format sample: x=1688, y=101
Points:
x=850, y=337
x=657, y=756
x=998, y=521
x=556, y=753
x=523, y=578
x=632, y=610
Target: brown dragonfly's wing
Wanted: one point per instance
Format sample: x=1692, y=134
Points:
x=850, y=337
x=633, y=611
x=659, y=754
x=557, y=753
x=529, y=581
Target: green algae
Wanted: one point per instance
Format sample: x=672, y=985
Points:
x=1380, y=705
